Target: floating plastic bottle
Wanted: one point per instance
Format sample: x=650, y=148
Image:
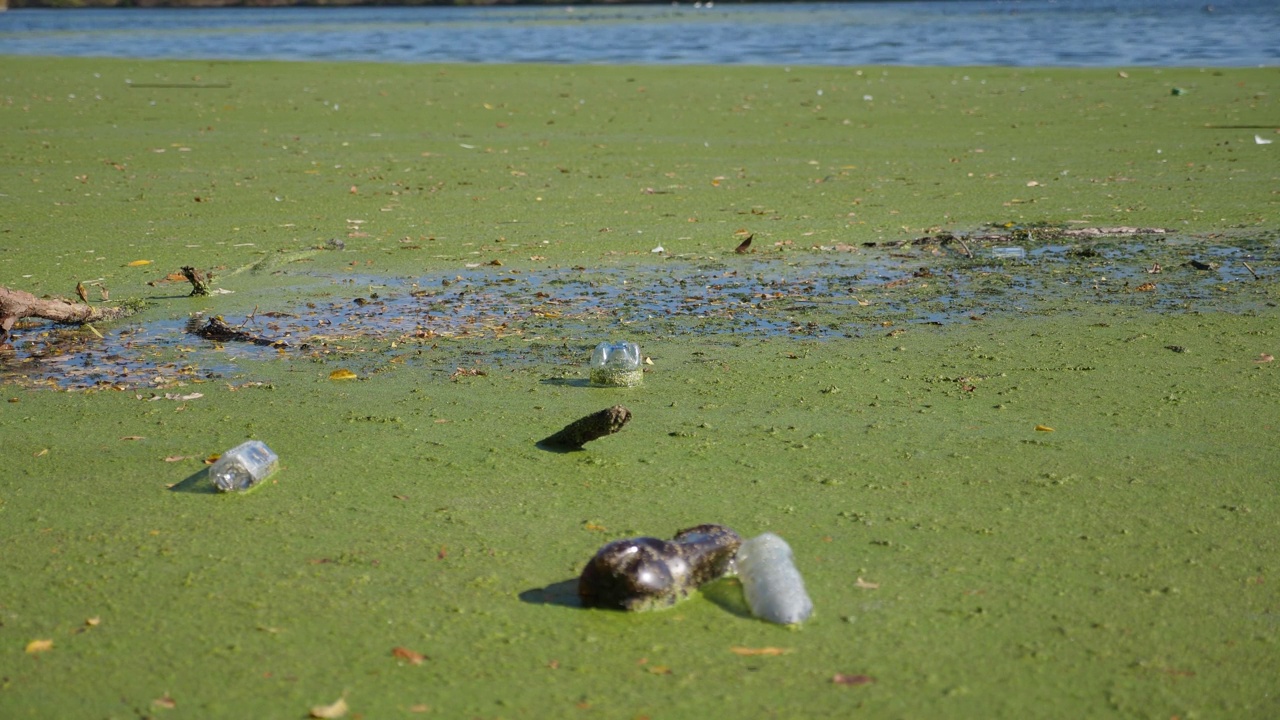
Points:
x=243, y=466
x=616, y=365
x=1009, y=252
x=771, y=582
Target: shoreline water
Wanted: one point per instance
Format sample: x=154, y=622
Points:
x=1082, y=33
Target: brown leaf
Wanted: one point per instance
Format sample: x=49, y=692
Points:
x=852, y=680
x=133, y=437
x=742, y=248
x=330, y=712
x=1043, y=428
x=413, y=658
x=765, y=651
x=177, y=458
x=164, y=702
x=866, y=585
x=1264, y=358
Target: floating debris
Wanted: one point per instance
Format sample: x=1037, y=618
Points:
x=616, y=364
x=217, y=329
x=592, y=427
x=770, y=581
x=646, y=573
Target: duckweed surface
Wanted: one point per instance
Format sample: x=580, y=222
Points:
x=1011, y=484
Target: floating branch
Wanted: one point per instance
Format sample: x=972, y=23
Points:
x=217, y=329
x=18, y=304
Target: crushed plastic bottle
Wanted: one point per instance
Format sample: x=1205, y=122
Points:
x=1009, y=252
x=616, y=365
x=243, y=467
x=772, y=584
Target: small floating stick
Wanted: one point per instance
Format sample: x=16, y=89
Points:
x=592, y=427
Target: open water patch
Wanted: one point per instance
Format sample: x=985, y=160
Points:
x=549, y=314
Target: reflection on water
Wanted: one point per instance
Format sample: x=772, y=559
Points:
x=835, y=292
x=1065, y=33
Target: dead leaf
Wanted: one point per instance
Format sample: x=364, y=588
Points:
x=1043, y=428
x=420, y=708
x=764, y=651
x=1145, y=287
x=466, y=372
x=94, y=621
x=330, y=712
x=139, y=263
x=413, y=658
x=1264, y=358
x=133, y=437
x=178, y=458
x=342, y=374
x=743, y=247
x=40, y=453
x=39, y=646
x=860, y=583
x=164, y=702
x=658, y=670
x=852, y=680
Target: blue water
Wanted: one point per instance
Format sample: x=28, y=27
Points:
x=1065, y=33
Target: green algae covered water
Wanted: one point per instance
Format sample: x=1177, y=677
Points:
x=1013, y=487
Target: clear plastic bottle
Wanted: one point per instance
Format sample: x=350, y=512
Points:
x=772, y=584
x=616, y=364
x=243, y=466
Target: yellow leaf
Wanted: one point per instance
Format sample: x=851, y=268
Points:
x=39, y=646
x=343, y=374
x=330, y=712
x=1043, y=428
x=94, y=621
x=139, y=263
x=767, y=651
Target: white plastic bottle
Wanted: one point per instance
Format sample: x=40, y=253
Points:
x=243, y=466
x=771, y=582
x=616, y=364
